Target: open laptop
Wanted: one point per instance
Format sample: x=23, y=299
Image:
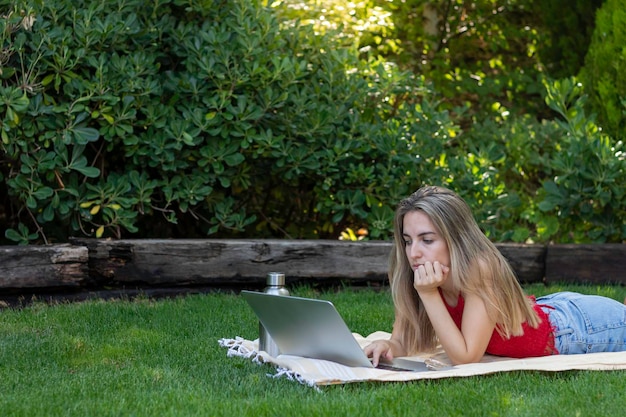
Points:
x=313, y=328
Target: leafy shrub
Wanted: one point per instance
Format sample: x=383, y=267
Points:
x=604, y=73
x=586, y=199
x=555, y=180
x=127, y=118
x=510, y=159
x=218, y=118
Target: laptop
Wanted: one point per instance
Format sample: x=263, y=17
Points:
x=313, y=328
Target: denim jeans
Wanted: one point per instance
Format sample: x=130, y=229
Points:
x=585, y=323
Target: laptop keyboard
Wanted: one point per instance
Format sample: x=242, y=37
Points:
x=429, y=364
x=388, y=367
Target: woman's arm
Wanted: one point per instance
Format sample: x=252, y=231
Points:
x=468, y=344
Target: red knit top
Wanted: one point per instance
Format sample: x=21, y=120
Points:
x=533, y=342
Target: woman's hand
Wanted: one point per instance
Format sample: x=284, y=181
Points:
x=429, y=276
x=380, y=349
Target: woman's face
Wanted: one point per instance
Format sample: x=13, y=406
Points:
x=422, y=241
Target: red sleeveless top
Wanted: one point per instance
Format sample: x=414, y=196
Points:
x=533, y=342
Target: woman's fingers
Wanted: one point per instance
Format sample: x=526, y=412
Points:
x=430, y=275
x=377, y=350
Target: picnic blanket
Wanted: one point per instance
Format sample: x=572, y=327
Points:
x=315, y=372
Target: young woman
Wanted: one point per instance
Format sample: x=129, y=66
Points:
x=451, y=286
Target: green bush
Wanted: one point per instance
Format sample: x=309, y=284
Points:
x=230, y=119
x=604, y=73
x=136, y=119
x=545, y=181
x=586, y=199
x=510, y=161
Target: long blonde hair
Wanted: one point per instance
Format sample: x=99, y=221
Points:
x=476, y=267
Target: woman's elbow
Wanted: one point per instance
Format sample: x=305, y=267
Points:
x=465, y=359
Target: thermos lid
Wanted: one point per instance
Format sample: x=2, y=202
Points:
x=276, y=279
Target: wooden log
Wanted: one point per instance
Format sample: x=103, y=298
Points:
x=232, y=262
x=93, y=264
x=586, y=264
x=235, y=262
x=49, y=266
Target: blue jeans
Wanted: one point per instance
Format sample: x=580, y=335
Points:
x=585, y=323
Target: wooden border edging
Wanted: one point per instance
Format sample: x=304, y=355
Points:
x=589, y=264
x=233, y=262
x=25, y=267
x=92, y=264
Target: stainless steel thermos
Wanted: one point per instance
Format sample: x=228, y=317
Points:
x=275, y=285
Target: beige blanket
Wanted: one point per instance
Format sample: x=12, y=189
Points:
x=316, y=372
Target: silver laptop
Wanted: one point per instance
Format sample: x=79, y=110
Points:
x=313, y=328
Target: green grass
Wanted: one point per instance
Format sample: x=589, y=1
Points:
x=162, y=358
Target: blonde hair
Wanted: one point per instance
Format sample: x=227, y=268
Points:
x=476, y=267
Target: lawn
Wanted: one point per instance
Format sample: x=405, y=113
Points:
x=147, y=357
